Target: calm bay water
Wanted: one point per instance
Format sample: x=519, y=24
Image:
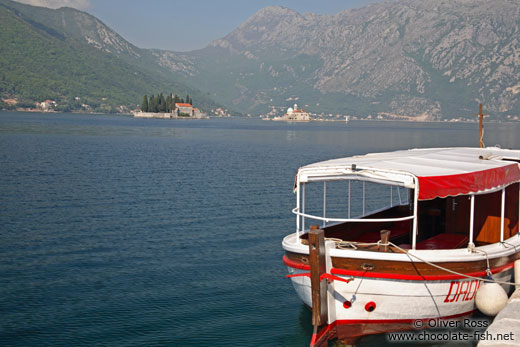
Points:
x=131, y=232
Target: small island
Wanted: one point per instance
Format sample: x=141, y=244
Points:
x=295, y=115
x=170, y=107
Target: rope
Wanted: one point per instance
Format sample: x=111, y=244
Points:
x=509, y=244
x=451, y=271
x=350, y=244
x=353, y=245
x=488, y=271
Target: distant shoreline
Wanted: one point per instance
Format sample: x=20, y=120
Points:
x=270, y=119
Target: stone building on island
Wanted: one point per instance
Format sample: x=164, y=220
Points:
x=186, y=110
x=295, y=114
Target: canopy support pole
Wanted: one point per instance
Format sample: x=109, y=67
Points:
x=502, y=215
x=364, y=198
x=297, y=208
x=324, y=202
x=471, y=222
x=303, y=207
x=414, y=225
x=349, y=199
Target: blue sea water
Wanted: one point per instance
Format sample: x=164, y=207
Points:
x=117, y=231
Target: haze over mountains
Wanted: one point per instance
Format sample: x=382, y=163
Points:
x=426, y=59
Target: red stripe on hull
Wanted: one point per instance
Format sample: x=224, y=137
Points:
x=336, y=271
x=295, y=265
x=417, y=277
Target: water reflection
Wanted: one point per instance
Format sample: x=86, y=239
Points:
x=290, y=136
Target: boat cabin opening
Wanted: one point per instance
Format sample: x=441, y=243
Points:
x=361, y=211
x=493, y=218
x=438, y=198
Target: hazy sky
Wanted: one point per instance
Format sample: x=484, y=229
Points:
x=187, y=24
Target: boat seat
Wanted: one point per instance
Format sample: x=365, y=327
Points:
x=441, y=241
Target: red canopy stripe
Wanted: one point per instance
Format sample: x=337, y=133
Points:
x=431, y=187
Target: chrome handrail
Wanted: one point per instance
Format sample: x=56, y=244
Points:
x=399, y=219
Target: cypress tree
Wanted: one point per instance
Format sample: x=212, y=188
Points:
x=187, y=98
x=144, y=104
x=159, y=102
x=162, y=103
x=152, y=104
x=169, y=102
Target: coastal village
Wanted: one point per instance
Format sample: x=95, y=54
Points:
x=184, y=110
x=298, y=114
x=180, y=110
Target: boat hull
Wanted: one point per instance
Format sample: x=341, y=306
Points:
x=372, y=303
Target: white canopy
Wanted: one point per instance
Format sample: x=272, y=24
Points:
x=440, y=172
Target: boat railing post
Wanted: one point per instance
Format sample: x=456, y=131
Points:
x=471, y=221
x=324, y=203
x=502, y=215
x=391, y=196
x=385, y=237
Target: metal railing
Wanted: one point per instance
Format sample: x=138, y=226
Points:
x=369, y=220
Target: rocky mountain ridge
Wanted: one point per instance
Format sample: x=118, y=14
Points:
x=401, y=57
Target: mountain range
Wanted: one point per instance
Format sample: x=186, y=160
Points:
x=409, y=59
x=414, y=58
x=73, y=58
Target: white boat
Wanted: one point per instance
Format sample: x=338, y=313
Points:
x=409, y=235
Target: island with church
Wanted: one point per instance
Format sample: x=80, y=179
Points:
x=170, y=107
x=294, y=115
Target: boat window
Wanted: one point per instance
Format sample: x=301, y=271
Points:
x=332, y=199
x=443, y=222
x=488, y=216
